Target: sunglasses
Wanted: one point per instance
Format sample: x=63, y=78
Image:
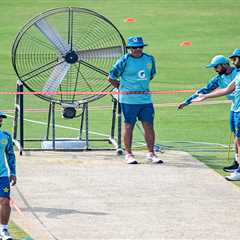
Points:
x=233, y=59
x=137, y=47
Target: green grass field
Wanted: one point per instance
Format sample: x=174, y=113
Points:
x=163, y=24
x=211, y=25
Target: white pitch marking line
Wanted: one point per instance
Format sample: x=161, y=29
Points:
x=104, y=135
x=61, y=126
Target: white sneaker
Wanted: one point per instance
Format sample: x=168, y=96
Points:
x=154, y=158
x=130, y=159
x=4, y=234
x=235, y=176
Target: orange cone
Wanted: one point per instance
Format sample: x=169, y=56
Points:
x=130, y=20
x=186, y=43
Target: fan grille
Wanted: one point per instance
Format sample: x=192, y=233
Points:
x=40, y=49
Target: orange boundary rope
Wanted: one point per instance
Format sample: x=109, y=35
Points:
x=97, y=93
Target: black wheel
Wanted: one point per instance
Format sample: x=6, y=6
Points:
x=119, y=151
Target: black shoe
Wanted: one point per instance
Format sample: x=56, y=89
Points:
x=232, y=167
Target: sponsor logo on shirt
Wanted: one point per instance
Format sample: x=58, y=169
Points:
x=142, y=75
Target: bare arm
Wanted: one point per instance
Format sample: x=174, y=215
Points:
x=115, y=83
x=218, y=93
x=13, y=180
x=181, y=105
x=212, y=85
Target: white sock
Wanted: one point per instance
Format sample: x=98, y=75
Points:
x=3, y=226
x=237, y=159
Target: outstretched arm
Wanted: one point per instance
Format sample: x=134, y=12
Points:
x=218, y=93
x=187, y=101
x=209, y=87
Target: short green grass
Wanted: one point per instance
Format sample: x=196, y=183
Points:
x=163, y=24
x=210, y=24
x=17, y=233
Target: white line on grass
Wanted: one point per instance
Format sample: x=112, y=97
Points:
x=105, y=135
x=60, y=126
x=203, y=143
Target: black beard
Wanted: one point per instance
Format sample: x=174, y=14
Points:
x=222, y=72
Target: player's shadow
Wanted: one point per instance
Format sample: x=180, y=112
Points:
x=57, y=212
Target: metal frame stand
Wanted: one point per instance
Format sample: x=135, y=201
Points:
x=18, y=127
x=19, y=115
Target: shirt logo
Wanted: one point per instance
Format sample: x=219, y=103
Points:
x=142, y=75
x=3, y=141
x=6, y=189
x=149, y=66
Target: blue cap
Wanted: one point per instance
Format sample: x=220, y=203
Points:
x=135, y=42
x=219, y=59
x=236, y=53
x=3, y=115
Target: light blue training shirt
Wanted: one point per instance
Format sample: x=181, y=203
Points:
x=135, y=75
x=218, y=81
x=8, y=163
x=236, y=107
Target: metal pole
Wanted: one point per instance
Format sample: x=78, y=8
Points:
x=53, y=126
x=81, y=123
x=86, y=124
x=49, y=120
x=114, y=108
x=21, y=106
x=15, y=122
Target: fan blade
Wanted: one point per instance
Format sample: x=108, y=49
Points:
x=58, y=74
x=52, y=36
x=97, y=69
x=109, y=52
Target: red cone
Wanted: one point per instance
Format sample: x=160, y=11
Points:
x=130, y=20
x=186, y=43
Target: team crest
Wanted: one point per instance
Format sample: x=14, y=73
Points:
x=149, y=66
x=3, y=141
x=6, y=189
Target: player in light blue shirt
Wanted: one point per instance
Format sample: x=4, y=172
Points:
x=132, y=74
x=7, y=177
x=234, y=86
x=225, y=75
